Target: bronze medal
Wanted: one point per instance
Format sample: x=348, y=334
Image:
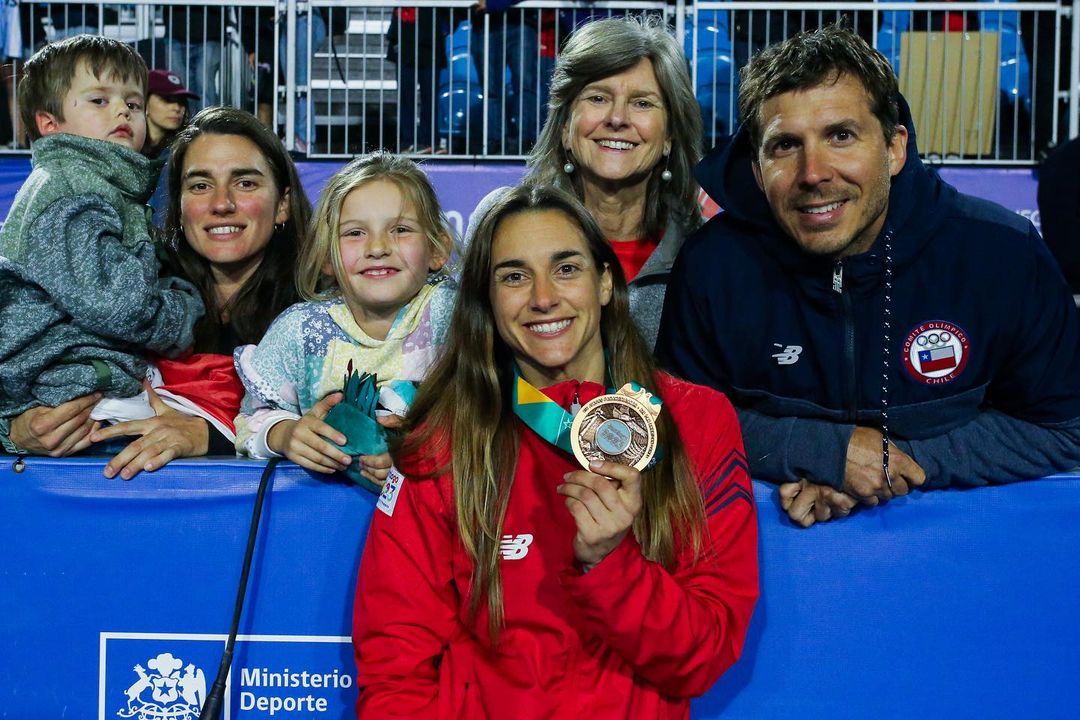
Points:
x=618, y=427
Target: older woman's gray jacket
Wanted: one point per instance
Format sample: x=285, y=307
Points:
x=81, y=304
x=646, y=290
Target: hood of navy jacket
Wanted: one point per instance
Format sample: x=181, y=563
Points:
x=918, y=203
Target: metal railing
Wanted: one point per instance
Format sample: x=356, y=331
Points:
x=989, y=82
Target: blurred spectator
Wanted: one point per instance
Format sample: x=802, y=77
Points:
x=1059, y=208
x=11, y=37
x=196, y=34
x=166, y=110
x=415, y=42
x=313, y=22
x=513, y=44
x=166, y=114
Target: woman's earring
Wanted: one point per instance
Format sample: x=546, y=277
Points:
x=568, y=167
x=666, y=175
x=279, y=227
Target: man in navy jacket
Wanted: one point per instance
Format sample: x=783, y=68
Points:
x=847, y=297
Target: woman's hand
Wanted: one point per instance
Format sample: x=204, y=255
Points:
x=166, y=436
x=311, y=443
x=604, y=503
x=56, y=432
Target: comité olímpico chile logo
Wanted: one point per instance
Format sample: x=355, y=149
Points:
x=935, y=352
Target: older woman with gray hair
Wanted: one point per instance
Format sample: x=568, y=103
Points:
x=623, y=134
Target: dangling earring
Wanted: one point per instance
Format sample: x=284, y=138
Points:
x=568, y=168
x=666, y=175
x=279, y=227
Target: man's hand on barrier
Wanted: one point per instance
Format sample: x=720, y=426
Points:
x=56, y=432
x=309, y=442
x=864, y=477
x=807, y=503
x=163, y=438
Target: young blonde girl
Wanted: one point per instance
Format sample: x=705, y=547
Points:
x=379, y=298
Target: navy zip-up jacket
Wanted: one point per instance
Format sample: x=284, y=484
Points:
x=984, y=345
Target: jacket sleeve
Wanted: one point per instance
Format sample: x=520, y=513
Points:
x=79, y=258
x=681, y=630
x=996, y=448
x=405, y=609
x=271, y=372
x=788, y=449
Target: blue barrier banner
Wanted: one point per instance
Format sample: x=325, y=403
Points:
x=461, y=185
x=115, y=599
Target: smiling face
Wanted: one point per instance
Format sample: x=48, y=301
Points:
x=617, y=132
x=385, y=254
x=825, y=167
x=229, y=203
x=546, y=296
x=105, y=108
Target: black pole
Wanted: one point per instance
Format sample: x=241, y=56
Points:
x=211, y=709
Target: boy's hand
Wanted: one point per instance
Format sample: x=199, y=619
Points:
x=56, y=432
x=309, y=442
x=164, y=437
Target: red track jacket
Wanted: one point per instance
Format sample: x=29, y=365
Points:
x=626, y=640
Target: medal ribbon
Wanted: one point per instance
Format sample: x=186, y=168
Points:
x=541, y=414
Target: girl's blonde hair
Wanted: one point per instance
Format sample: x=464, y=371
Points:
x=323, y=247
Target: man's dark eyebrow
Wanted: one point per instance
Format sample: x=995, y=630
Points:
x=237, y=172
x=845, y=124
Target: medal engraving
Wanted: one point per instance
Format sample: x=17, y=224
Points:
x=616, y=428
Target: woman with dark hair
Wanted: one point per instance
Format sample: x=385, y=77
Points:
x=623, y=134
x=236, y=217
x=502, y=577
x=235, y=220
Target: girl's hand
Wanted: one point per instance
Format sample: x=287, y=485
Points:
x=604, y=503
x=309, y=442
x=376, y=467
x=165, y=437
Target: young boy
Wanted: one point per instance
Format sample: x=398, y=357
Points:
x=81, y=304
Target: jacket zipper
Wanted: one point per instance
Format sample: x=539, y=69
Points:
x=851, y=389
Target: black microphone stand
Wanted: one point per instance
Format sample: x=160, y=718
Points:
x=211, y=709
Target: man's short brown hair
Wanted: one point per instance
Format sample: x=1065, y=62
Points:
x=810, y=59
x=47, y=75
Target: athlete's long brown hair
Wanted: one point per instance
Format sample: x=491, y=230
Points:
x=466, y=402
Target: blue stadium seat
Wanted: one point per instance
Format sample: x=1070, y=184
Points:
x=717, y=78
x=460, y=93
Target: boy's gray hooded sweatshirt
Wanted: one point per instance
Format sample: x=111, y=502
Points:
x=81, y=303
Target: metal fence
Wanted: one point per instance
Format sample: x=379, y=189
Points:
x=989, y=82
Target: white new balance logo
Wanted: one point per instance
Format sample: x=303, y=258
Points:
x=788, y=355
x=515, y=547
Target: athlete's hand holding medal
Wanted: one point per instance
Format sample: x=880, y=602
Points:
x=613, y=437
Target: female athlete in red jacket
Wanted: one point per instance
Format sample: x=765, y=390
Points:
x=503, y=580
